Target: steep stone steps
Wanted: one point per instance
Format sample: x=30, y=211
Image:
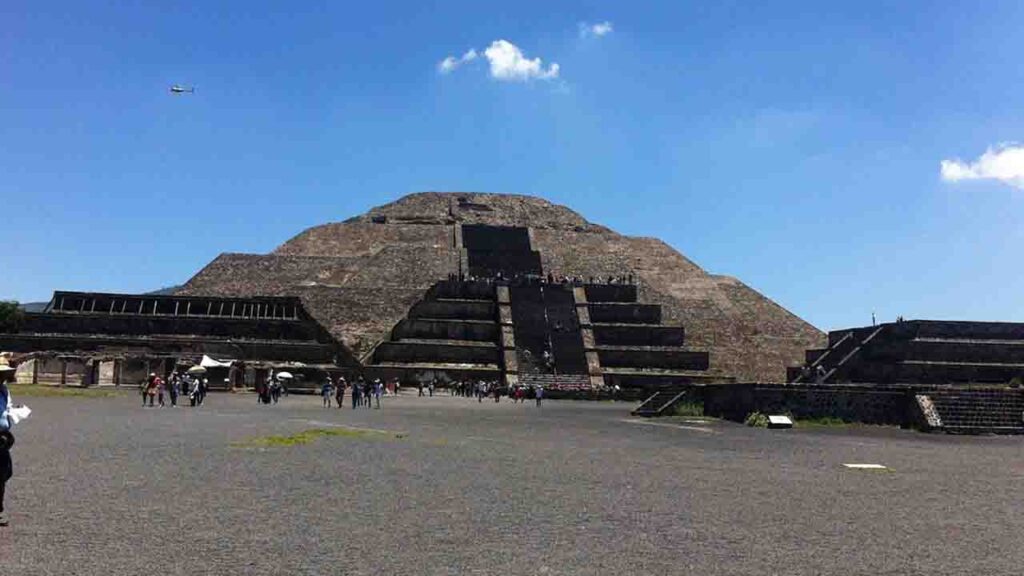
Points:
x=977, y=411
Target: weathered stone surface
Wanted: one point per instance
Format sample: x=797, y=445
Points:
x=359, y=277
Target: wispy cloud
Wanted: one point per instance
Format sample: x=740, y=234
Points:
x=450, y=63
x=600, y=29
x=1004, y=163
x=506, y=62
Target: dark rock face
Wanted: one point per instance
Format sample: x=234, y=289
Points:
x=358, y=278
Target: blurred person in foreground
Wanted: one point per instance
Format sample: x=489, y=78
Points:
x=7, y=374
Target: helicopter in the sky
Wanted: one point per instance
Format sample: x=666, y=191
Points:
x=179, y=89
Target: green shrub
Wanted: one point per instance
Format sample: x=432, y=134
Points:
x=757, y=420
x=688, y=409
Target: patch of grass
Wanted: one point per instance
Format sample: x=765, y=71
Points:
x=307, y=436
x=688, y=409
x=42, y=391
x=824, y=421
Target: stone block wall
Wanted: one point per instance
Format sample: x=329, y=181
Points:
x=852, y=403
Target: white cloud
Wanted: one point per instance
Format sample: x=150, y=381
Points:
x=450, y=63
x=506, y=61
x=600, y=29
x=1004, y=163
x=509, y=64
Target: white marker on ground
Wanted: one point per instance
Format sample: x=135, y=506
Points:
x=866, y=466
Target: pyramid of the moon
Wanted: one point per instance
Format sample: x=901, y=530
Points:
x=363, y=277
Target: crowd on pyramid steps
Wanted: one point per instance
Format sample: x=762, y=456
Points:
x=550, y=278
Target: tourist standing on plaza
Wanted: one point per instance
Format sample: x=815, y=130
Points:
x=433, y=384
x=150, y=390
x=160, y=390
x=275, y=391
x=378, y=390
x=325, y=393
x=174, y=388
x=357, y=389
x=367, y=394
x=193, y=394
x=339, y=391
x=539, y=394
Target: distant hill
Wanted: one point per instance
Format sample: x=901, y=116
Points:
x=164, y=291
x=40, y=306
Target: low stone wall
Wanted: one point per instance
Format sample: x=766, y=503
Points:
x=869, y=404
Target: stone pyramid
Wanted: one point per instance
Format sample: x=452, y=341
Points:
x=359, y=277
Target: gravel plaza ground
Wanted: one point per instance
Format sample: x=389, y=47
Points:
x=450, y=486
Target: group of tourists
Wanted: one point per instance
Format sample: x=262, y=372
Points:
x=154, y=389
x=481, y=389
x=271, y=391
x=362, y=391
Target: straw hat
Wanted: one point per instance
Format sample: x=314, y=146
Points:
x=5, y=365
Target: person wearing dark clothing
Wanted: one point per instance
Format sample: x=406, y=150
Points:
x=174, y=389
x=339, y=393
x=7, y=374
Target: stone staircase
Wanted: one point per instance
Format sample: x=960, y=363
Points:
x=828, y=363
x=452, y=330
x=974, y=411
x=560, y=382
x=634, y=348
x=659, y=403
x=925, y=352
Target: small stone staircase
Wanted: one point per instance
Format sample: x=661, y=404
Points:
x=660, y=402
x=974, y=411
x=561, y=382
x=832, y=360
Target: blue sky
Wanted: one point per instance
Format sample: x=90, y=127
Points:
x=796, y=147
